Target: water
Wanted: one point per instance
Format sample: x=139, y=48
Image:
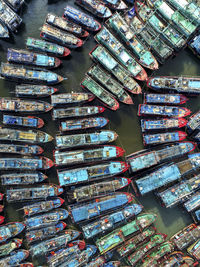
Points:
x=124, y=121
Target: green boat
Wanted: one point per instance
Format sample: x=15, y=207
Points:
x=122, y=29
x=101, y=55
x=110, y=84
x=106, y=98
x=118, y=236
x=107, y=39
x=137, y=256
x=149, y=37
x=154, y=257
x=169, y=34
x=131, y=245
x=183, y=24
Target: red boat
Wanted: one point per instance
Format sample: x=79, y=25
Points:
x=2, y=218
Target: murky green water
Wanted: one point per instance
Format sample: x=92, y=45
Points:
x=124, y=121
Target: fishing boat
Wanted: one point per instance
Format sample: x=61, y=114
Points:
x=98, y=207
x=147, y=158
x=33, y=193
x=123, y=30
x=29, y=121
x=167, y=174
x=109, y=222
x=99, y=260
x=83, y=124
x=106, y=80
x=163, y=124
x=178, y=258
x=115, y=4
x=96, y=7
x=45, y=232
x=189, y=9
x=22, y=178
x=119, y=235
x=9, y=17
x=166, y=30
x=15, y=4
x=21, y=149
x=184, y=24
x=46, y=219
x=86, y=174
x=104, y=96
x=31, y=136
x=81, y=18
x=8, y=247
x=175, y=83
x=21, y=73
x=171, y=99
x=179, y=192
x=27, y=90
x=4, y=33
x=71, y=98
x=166, y=111
x=153, y=258
x=149, y=37
x=81, y=258
x=101, y=55
x=100, y=137
x=58, y=257
x=15, y=258
x=193, y=203
x=107, y=39
x=94, y=155
x=53, y=34
x=44, y=206
x=161, y=138
x=30, y=58
x=97, y=190
x=47, y=47
x=76, y=112
x=10, y=230
x=194, y=122
x=197, y=137
x=194, y=45
x=66, y=25
x=59, y=241
x=132, y=244
x=186, y=236
x=23, y=105
x=142, y=250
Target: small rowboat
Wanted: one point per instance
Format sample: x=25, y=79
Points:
x=30, y=121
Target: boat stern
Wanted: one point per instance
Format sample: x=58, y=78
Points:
x=125, y=166
x=79, y=42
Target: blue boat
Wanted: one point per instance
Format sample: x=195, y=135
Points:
x=30, y=58
x=147, y=158
x=70, y=177
x=156, y=139
x=167, y=174
x=15, y=258
x=193, y=203
x=96, y=138
x=87, y=156
x=197, y=215
x=29, y=121
x=44, y=232
x=194, y=122
x=112, y=264
x=22, y=178
x=46, y=219
x=10, y=230
x=81, y=18
x=83, y=124
x=21, y=149
x=43, y=206
x=33, y=193
x=81, y=258
x=194, y=45
x=171, y=99
x=179, y=192
x=59, y=241
x=34, y=90
x=98, y=207
x=163, y=124
x=109, y=222
x=165, y=111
